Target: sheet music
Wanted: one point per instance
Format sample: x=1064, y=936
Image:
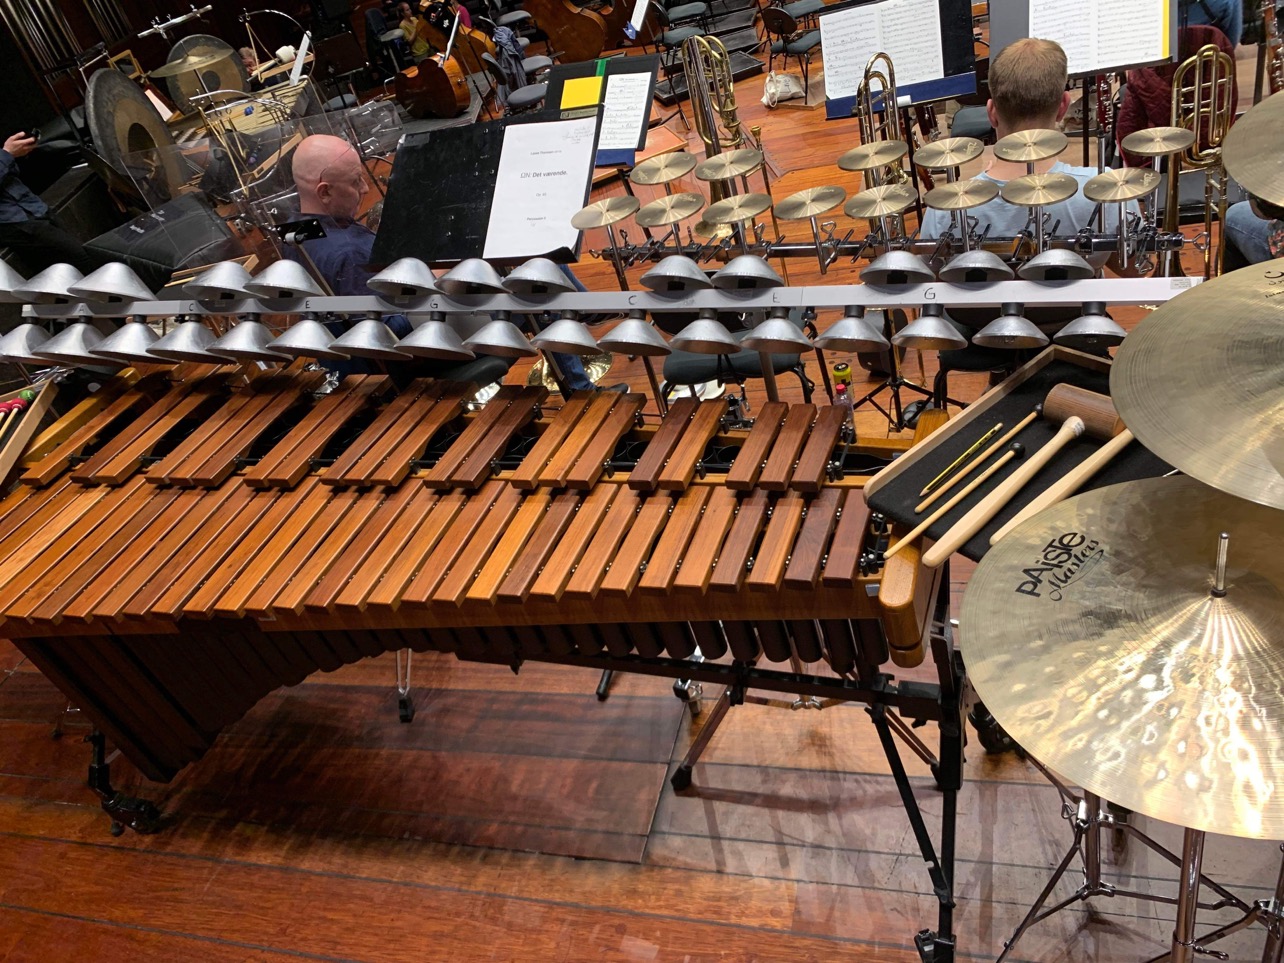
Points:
x=625, y=111
x=543, y=179
x=909, y=31
x=636, y=21
x=1103, y=35
x=1070, y=25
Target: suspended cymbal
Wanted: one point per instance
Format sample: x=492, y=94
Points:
x=881, y=201
x=670, y=209
x=595, y=368
x=734, y=163
x=1251, y=150
x=663, y=168
x=1028, y=146
x=875, y=154
x=1125, y=184
x=1198, y=382
x=948, y=152
x=1092, y=634
x=1036, y=190
x=809, y=203
x=738, y=207
x=1157, y=141
x=602, y=213
x=962, y=195
x=708, y=231
x=190, y=62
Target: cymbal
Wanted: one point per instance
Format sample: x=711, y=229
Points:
x=809, y=203
x=877, y=153
x=1198, y=382
x=1157, y=141
x=1251, y=150
x=663, y=168
x=188, y=63
x=734, y=163
x=948, y=152
x=670, y=209
x=602, y=213
x=738, y=207
x=1125, y=184
x=881, y=201
x=1036, y=190
x=1091, y=633
x=962, y=195
x=708, y=231
x=595, y=368
x=1028, y=146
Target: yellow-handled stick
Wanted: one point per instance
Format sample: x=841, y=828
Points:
x=978, y=461
x=972, y=450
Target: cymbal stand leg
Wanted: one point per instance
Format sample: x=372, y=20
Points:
x=681, y=777
x=616, y=260
x=1192, y=859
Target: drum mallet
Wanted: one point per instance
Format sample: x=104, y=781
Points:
x=1078, y=411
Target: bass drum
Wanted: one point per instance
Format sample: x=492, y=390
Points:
x=131, y=137
x=433, y=90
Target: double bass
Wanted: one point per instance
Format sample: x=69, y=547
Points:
x=436, y=87
x=575, y=33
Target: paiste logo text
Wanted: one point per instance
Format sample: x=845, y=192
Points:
x=1061, y=563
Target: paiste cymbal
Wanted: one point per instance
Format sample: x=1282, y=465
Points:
x=1251, y=150
x=882, y=201
x=663, y=168
x=734, y=163
x=602, y=213
x=739, y=207
x=948, y=152
x=1029, y=146
x=1125, y=184
x=1036, y=190
x=1199, y=383
x=1157, y=141
x=962, y=195
x=809, y=203
x=668, y=210
x=869, y=156
x=189, y=63
x=1091, y=633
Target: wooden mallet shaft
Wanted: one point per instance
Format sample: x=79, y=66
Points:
x=1078, y=411
x=978, y=461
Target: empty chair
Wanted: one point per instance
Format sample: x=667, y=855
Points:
x=515, y=100
x=789, y=40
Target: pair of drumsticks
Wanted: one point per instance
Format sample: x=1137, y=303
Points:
x=1078, y=411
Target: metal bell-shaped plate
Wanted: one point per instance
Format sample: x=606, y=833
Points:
x=976, y=266
x=74, y=345
x=436, y=339
x=705, y=336
x=131, y=343
x=190, y=341
x=501, y=339
x=853, y=332
x=283, y=280
x=248, y=341
x=306, y=338
x=747, y=273
x=567, y=336
x=929, y=332
x=1056, y=265
x=112, y=282
x=676, y=275
x=224, y=281
x=407, y=277
x=1010, y=330
x=897, y=267
x=10, y=281
x=471, y=276
x=20, y=345
x=777, y=336
x=52, y=284
x=635, y=336
x=1093, y=329
x=538, y=276
x=370, y=338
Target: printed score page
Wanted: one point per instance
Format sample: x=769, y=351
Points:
x=625, y=111
x=1103, y=35
x=909, y=31
x=543, y=178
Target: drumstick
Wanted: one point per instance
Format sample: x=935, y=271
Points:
x=1015, y=451
x=980, y=459
x=972, y=450
x=1069, y=483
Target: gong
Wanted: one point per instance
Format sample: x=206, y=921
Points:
x=130, y=136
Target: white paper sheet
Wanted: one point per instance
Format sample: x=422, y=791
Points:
x=543, y=178
x=909, y=31
x=626, y=108
x=1103, y=35
x=300, y=58
x=640, y=8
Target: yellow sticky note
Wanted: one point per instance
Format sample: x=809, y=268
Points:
x=581, y=92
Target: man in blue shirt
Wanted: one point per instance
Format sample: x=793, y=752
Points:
x=25, y=223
